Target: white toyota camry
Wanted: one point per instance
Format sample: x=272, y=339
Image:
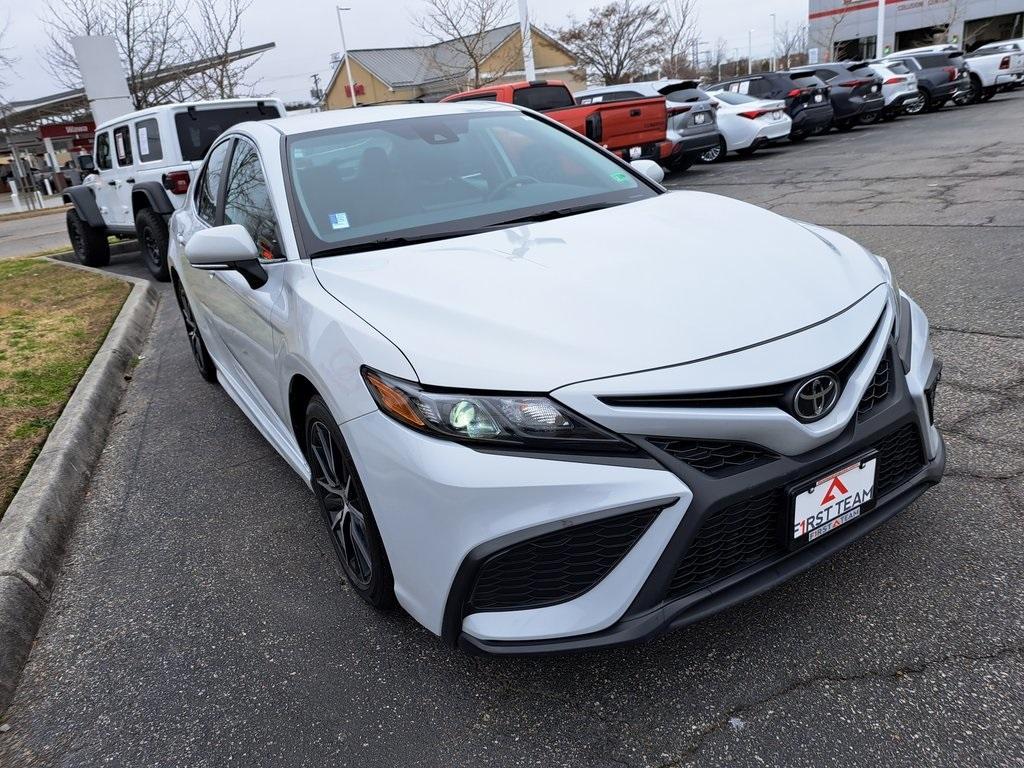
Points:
x=529, y=410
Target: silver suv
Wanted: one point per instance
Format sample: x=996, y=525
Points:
x=144, y=164
x=692, y=123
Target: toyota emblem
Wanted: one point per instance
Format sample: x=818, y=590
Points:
x=816, y=397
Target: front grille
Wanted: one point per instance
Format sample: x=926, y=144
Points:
x=772, y=396
x=729, y=541
x=878, y=389
x=747, y=533
x=556, y=566
x=900, y=456
x=717, y=458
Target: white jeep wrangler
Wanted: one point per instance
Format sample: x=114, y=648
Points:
x=144, y=164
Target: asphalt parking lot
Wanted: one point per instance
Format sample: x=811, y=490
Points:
x=201, y=618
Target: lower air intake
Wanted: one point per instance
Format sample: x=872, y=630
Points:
x=557, y=566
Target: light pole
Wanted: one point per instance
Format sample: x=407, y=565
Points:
x=879, y=48
x=527, y=35
x=344, y=51
x=750, y=51
x=773, y=42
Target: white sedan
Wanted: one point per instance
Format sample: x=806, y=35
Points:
x=526, y=408
x=747, y=123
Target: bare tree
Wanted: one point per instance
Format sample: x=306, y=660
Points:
x=618, y=41
x=464, y=25
x=827, y=38
x=789, y=42
x=679, y=38
x=216, y=33
x=152, y=37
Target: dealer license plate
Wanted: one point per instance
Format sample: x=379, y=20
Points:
x=699, y=118
x=833, y=501
x=635, y=152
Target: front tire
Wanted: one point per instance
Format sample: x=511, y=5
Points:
x=152, y=231
x=205, y=364
x=346, y=509
x=89, y=243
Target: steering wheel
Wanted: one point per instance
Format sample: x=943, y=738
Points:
x=512, y=181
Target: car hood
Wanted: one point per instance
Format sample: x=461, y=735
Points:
x=669, y=280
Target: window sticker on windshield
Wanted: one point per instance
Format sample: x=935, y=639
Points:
x=339, y=220
x=620, y=177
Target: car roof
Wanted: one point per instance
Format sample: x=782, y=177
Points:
x=185, y=105
x=339, y=118
x=651, y=86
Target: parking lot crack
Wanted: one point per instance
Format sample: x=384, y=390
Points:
x=746, y=712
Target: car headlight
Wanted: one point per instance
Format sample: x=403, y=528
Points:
x=901, y=329
x=528, y=422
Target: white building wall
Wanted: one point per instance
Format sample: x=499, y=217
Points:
x=851, y=19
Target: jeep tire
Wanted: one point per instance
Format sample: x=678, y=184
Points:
x=89, y=243
x=152, y=231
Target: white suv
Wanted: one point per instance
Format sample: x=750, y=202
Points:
x=144, y=164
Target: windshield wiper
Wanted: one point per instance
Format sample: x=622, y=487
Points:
x=398, y=241
x=556, y=213
x=394, y=242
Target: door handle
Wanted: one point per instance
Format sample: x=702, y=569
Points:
x=112, y=183
x=130, y=181
x=634, y=113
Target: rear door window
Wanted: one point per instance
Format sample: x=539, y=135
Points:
x=198, y=128
x=208, y=189
x=543, y=97
x=123, y=146
x=147, y=137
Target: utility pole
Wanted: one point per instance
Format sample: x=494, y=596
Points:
x=750, y=51
x=736, y=58
x=773, y=42
x=527, y=35
x=879, y=36
x=344, y=51
x=316, y=93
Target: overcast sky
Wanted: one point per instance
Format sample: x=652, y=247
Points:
x=306, y=33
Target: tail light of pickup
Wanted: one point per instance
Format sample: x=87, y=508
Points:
x=176, y=182
x=1005, y=63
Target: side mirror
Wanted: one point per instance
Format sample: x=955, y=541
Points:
x=228, y=247
x=650, y=169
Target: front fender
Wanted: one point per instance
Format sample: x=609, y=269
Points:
x=84, y=201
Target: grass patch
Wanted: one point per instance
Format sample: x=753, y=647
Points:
x=52, y=321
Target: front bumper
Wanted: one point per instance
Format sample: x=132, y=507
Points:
x=444, y=509
x=694, y=146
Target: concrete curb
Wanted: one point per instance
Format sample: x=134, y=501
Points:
x=35, y=527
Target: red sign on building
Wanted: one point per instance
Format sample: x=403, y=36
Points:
x=67, y=131
x=360, y=90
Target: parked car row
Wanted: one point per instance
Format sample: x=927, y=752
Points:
x=146, y=161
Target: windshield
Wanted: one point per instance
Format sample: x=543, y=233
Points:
x=444, y=175
x=988, y=50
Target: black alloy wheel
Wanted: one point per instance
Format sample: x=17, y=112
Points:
x=204, y=362
x=346, y=509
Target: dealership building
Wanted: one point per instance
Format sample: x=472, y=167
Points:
x=846, y=29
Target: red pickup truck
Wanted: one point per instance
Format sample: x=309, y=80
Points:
x=634, y=129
